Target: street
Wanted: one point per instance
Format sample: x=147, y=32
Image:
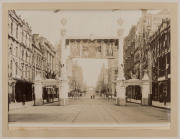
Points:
x=90, y=111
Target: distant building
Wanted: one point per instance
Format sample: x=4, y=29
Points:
x=112, y=72
x=102, y=82
x=76, y=81
x=44, y=56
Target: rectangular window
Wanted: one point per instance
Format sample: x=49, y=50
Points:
x=29, y=41
x=26, y=39
x=22, y=55
x=17, y=51
x=11, y=66
x=11, y=27
x=17, y=32
x=26, y=71
x=22, y=72
x=16, y=68
x=22, y=35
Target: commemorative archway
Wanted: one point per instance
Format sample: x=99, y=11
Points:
x=91, y=47
x=144, y=84
x=44, y=83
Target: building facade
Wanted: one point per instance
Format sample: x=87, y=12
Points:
x=160, y=53
x=20, y=58
x=44, y=56
x=128, y=53
x=28, y=55
x=136, y=50
x=131, y=62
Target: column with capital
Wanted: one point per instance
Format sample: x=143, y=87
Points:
x=120, y=87
x=63, y=86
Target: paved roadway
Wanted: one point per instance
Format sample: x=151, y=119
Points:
x=90, y=111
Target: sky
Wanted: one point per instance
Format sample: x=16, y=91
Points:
x=91, y=69
x=82, y=23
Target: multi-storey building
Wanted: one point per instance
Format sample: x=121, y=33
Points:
x=129, y=61
x=20, y=58
x=136, y=57
x=28, y=55
x=129, y=47
x=159, y=52
x=44, y=56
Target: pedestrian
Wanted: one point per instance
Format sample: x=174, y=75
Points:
x=23, y=99
x=164, y=97
x=91, y=97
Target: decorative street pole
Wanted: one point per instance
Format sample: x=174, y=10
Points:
x=63, y=87
x=121, y=97
x=150, y=62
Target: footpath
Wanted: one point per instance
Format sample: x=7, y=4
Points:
x=18, y=105
x=156, y=104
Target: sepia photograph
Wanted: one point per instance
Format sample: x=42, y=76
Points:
x=61, y=71
x=89, y=68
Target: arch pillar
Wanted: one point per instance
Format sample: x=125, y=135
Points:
x=145, y=90
x=63, y=85
x=120, y=86
x=38, y=91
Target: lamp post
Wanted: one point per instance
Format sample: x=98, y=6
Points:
x=166, y=77
x=63, y=93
